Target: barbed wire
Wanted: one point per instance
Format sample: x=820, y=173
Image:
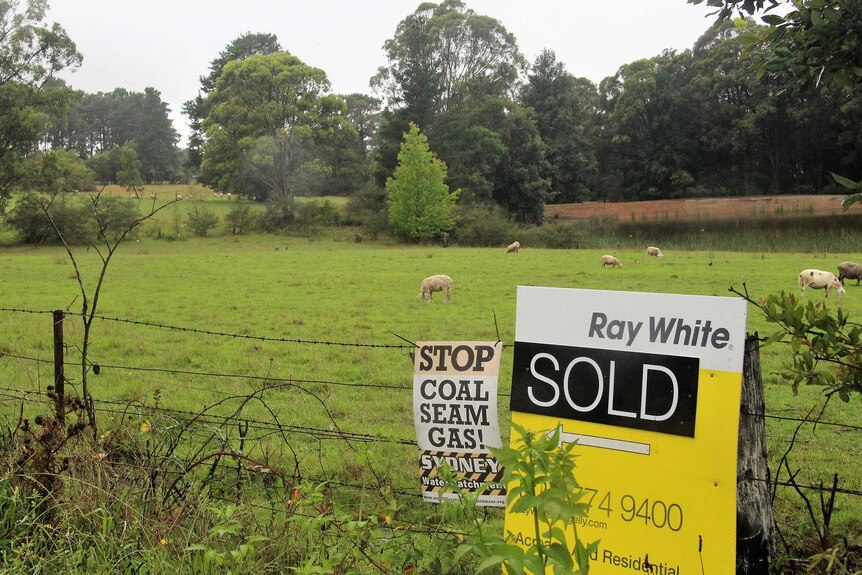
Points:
x=216, y=333
x=212, y=418
x=346, y=384
x=19, y=310
x=246, y=336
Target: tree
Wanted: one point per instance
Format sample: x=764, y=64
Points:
x=651, y=127
x=814, y=42
x=442, y=58
x=817, y=42
x=565, y=109
x=262, y=120
x=364, y=112
x=495, y=153
x=420, y=203
x=59, y=171
x=31, y=51
x=339, y=150
x=240, y=48
x=129, y=175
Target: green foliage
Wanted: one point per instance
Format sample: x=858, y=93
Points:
x=32, y=51
x=228, y=550
x=368, y=208
x=20, y=125
x=262, y=118
x=483, y=225
x=420, y=204
x=541, y=477
x=278, y=215
x=81, y=219
x=129, y=175
x=318, y=213
x=200, y=220
x=240, y=218
x=59, y=171
x=814, y=41
x=826, y=346
x=561, y=235
x=106, y=165
x=565, y=109
x=30, y=217
x=245, y=45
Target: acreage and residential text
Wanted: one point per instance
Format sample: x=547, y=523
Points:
x=648, y=385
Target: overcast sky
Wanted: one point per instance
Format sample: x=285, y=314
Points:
x=168, y=44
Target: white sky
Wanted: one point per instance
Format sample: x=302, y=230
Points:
x=168, y=44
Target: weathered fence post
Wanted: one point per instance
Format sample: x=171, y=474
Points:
x=59, y=375
x=755, y=522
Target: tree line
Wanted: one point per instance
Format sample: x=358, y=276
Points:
x=727, y=117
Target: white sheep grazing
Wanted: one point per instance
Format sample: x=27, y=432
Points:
x=435, y=283
x=513, y=248
x=611, y=261
x=654, y=252
x=819, y=279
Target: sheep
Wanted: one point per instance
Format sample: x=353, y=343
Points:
x=849, y=270
x=435, y=283
x=611, y=261
x=819, y=279
x=513, y=247
x=654, y=252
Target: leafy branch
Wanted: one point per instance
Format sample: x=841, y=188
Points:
x=826, y=346
x=112, y=227
x=540, y=472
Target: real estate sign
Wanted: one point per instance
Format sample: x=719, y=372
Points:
x=455, y=413
x=648, y=385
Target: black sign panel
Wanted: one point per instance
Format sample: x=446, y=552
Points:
x=622, y=388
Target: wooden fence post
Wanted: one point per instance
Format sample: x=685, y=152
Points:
x=755, y=522
x=59, y=375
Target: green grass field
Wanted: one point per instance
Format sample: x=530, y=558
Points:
x=279, y=287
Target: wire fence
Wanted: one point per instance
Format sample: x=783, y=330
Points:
x=258, y=428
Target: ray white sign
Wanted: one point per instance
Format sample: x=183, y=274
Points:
x=648, y=385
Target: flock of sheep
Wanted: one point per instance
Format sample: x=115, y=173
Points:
x=819, y=279
x=810, y=278
x=608, y=260
x=443, y=283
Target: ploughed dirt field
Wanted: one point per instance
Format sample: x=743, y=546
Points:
x=703, y=208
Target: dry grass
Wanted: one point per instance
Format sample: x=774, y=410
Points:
x=698, y=209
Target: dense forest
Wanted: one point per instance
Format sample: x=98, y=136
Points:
x=727, y=117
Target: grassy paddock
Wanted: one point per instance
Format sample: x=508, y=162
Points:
x=323, y=291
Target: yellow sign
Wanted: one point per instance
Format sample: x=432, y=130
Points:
x=648, y=385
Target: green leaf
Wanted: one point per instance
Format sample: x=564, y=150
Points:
x=560, y=555
x=772, y=19
x=846, y=182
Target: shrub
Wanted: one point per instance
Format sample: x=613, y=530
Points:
x=33, y=214
x=278, y=215
x=116, y=215
x=560, y=235
x=200, y=220
x=368, y=208
x=240, y=218
x=483, y=225
x=315, y=212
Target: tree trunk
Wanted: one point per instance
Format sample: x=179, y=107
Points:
x=755, y=522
